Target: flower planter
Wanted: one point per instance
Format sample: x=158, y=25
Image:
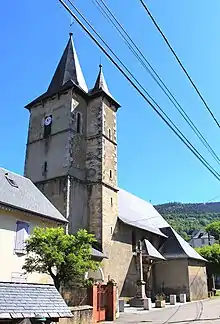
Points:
x=160, y=303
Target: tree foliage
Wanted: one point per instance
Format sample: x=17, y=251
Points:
x=66, y=258
x=185, y=218
x=214, y=229
x=212, y=254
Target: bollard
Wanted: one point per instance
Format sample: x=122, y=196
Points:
x=121, y=305
x=172, y=299
x=182, y=298
x=147, y=303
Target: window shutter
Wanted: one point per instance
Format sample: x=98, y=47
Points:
x=22, y=232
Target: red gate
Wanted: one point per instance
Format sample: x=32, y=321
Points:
x=102, y=300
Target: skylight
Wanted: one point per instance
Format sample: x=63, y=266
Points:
x=11, y=181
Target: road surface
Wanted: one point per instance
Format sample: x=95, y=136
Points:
x=201, y=312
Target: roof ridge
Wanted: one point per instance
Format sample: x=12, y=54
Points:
x=25, y=283
x=12, y=172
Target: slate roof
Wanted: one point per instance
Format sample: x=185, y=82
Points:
x=100, y=83
x=97, y=254
x=201, y=234
x=176, y=247
x=26, y=196
x=28, y=300
x=67, y=74
x=139, y=213
x=151, y=251
x=68, y=69
x=101, y=86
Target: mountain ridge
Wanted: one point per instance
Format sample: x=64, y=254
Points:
x=187, y=217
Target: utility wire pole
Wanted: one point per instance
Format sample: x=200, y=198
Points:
x=213, y=276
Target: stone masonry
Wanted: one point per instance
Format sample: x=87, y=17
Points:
x=76, y=165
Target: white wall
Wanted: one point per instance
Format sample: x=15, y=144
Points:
x=199, y=242
x=11, y=263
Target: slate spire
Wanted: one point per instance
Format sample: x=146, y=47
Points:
x=68, y=69
x=100, y=84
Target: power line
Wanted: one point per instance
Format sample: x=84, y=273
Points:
x=142, y=59
x=213, y=199
x=180, y=63
x=159, y=112
x=173, y=127
x=124, y=66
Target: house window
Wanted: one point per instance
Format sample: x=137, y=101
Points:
x=11, y=181
x=47, y=126
x=111, y=201
x=110, y=174
x=78, y=123
x=22, y=231
x=133, y=240
x=109, y=134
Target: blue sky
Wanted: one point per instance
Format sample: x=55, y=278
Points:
x=152, y=162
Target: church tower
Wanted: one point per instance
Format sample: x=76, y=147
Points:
x=56, y=146
x=72, y=150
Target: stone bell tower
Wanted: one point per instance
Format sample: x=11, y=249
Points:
x=72, y=151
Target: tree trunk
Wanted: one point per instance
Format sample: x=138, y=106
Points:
x=57, y=283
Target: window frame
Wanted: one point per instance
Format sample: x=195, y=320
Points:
x=11, y=181
x=23, y=250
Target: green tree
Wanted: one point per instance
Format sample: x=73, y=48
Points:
x=214, y=229
x=66, y=258
x=212, y=254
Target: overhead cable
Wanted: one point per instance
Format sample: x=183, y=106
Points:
x=107, y=13
x=180, y=63
x=157, y=109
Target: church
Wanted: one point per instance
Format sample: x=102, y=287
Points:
x=71, y=157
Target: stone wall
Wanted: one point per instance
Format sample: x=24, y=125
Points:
x=197, y=280
x=119, y=248
x=55, y=191
x=75, y=296
x=81, y=315
x=171, y=277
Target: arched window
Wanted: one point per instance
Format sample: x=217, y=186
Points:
x=111, y=201
x=110, y=174
x=78, y=123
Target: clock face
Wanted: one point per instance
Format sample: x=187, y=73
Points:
x=47, y=120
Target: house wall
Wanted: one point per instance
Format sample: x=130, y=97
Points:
x=172, y=277
x=11, y=263
x=198, y=242
x=197, y=280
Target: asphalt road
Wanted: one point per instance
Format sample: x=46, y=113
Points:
x=200, y=312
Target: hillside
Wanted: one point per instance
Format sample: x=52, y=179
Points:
x=187, y=217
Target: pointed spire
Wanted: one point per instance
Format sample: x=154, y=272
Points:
x=101, y=86
x=100, y=83
x=68, y=69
